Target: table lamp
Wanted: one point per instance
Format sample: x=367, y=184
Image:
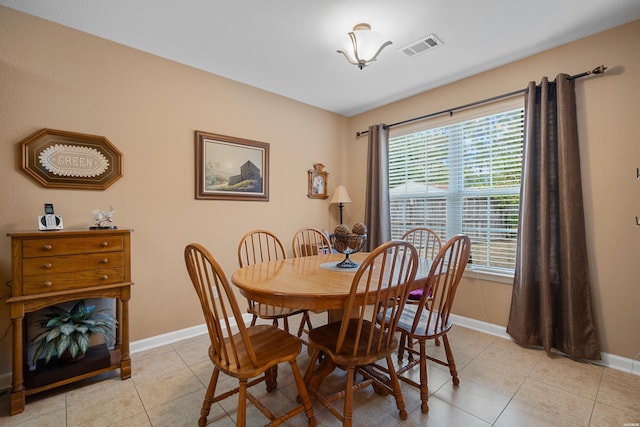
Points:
x=340, y=196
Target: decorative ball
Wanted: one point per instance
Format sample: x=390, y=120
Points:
x=359, y=228
x=354, y=241
x=340, y=244
x=341, y=230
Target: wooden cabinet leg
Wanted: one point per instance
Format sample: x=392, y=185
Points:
x=17, y=387
x=125, y=362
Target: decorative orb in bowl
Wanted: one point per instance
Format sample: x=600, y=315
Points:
x=348, y=244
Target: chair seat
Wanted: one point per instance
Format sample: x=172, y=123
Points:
x=271, y=345
x=266, y=311
x=415, y=295
x=326, y=338
x=405, y=324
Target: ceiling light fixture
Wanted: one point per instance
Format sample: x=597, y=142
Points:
x=364, y=44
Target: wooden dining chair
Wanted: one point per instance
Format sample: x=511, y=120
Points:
x=263, y=246
x=248, y=355
x=428, y=244
x=309, y=241
x=429, y=319
x=380, y=285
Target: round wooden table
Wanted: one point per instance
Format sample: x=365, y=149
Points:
x=298, y=282
x=312, y=282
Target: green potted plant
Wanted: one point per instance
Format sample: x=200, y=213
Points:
x=67, y=332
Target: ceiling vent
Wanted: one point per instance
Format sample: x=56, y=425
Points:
x=421, y=46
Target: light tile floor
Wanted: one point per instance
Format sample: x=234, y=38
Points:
x=501, y=384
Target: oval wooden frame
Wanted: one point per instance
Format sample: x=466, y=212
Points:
x=48, y=139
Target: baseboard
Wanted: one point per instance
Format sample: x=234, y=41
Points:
x=608, y=360
x=612, y=361
x=175, y=336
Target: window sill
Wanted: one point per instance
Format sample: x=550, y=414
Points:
x=480, y=274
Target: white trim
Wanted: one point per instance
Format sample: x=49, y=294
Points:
x=175, y=336
x=168, y=338
x=612, y=361
x=608, y=360
x=478, y=273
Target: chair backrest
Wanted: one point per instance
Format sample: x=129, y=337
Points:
x=426, y=241
x=260, y=246
x=219, y=307
x=309, y=241
x=442, y=284
x=377, y=297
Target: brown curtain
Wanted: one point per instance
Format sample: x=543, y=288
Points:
x=551, y=303
x=377, y=214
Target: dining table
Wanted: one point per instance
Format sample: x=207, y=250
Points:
x=312, y=282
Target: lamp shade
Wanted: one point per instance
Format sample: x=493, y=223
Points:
x=340, y=195
x=365, y=45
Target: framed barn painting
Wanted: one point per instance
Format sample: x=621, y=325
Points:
x=230, y=168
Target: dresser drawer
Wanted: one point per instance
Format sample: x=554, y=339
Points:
x=80, y=280
x=70, y=263
x=53, y=246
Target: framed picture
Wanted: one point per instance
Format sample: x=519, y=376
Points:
x=71, y=160
x=229, y=168
x=317, y=186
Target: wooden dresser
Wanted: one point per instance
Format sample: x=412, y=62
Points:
x=53, y=267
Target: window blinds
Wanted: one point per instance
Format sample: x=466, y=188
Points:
x=461, y=177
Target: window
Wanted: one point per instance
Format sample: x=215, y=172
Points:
x=462, y=175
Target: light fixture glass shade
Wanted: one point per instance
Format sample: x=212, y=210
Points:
x=340, y=195
x=365, y=45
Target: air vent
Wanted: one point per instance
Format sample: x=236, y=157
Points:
x=421, y=46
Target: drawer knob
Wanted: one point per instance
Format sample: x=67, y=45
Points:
x=48, y=266
x=48, y=284
x=47, y=247
x=104, y=261
x=104, y=244
x=105, y=277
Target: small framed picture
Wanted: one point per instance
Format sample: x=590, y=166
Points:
x=317, y=187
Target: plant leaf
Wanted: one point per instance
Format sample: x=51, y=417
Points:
x=73, y=348
x=83, y=342
x=51, y=351
x=53, y=334
x=67, y=328
x=62, y=344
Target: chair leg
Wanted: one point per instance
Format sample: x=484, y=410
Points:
x=452, y=364
x=271, y=378
x=208, y=398
x=347, y=412
x=303, y=395
x=397, y=391
x=305, y=320
x=313, y=359
x=254, y=319
x=424, y=379
x=401, y=344
x=241, y=421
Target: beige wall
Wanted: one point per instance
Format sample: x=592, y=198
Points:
x=148, y=107
x=609, y=125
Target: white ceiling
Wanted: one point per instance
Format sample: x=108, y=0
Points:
x=288, y=47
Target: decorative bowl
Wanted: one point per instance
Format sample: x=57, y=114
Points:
x=348, y=244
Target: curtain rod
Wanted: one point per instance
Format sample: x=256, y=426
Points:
x=598, y=70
